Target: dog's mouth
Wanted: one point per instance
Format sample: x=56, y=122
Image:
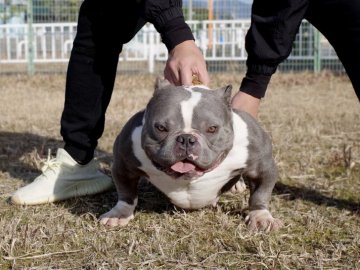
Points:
x=188, y=168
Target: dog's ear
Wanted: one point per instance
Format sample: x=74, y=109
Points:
x=160, y=83
x=225, y=93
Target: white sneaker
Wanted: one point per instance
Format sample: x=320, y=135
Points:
x=63, y=178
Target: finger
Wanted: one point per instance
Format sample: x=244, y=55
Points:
x=168, y=74
x=175, y=78
x=204, y=77
x=186, y=76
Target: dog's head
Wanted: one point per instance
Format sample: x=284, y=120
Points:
x=187, y=130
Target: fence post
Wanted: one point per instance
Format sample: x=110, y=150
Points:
x=30, y=38
x=190, y=11
x=151, y=56
x=317, y=56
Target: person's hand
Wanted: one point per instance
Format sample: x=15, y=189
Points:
x=245, y=102
x=185, y=60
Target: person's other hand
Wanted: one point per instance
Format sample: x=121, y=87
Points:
x=245, y=102
x=185, y=60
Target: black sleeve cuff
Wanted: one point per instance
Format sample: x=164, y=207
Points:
x=255, y=84
x=175, y=32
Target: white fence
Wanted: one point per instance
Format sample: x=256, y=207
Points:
x=221, y=41
x=52, y=42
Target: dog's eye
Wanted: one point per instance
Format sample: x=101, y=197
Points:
x=160, y=128
x=212, y=129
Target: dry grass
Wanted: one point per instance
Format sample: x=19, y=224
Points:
x=315, y=125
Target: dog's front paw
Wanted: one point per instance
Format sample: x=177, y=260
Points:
x=110, y=220
x=120, y=215
x=262, y=220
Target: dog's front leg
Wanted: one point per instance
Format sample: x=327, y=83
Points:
x=261, y=183
x=127, y=188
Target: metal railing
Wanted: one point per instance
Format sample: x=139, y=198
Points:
x=221, y=41
x=52, y=42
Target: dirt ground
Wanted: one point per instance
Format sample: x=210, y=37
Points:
x=314, y=122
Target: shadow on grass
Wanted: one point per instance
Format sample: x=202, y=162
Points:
x=17, y=153
x=315, y=197
x=150, y=200
x=15, y=146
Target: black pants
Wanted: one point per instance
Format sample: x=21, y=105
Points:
x=339, y=22
x=102, y=30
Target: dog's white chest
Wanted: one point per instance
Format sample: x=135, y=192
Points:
x=202, y=191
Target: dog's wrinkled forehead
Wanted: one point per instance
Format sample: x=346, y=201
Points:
x=187, y=104
x=170, y=101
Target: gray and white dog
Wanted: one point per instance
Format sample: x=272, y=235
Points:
x=192, y=146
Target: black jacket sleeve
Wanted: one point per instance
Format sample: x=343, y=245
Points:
x=168, y=19
x=268, y=42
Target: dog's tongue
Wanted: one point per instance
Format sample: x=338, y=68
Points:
x=183, y=167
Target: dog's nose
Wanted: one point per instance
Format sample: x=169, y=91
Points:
x=186, y=140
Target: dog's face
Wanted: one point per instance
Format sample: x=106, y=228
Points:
x=187, y=130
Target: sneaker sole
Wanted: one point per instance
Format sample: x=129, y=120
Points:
x=86, y=187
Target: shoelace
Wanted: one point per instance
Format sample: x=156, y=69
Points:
x=50, y=164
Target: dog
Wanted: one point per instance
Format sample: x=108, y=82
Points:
x=192, y=146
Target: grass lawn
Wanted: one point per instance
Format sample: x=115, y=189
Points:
x=314, y=121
